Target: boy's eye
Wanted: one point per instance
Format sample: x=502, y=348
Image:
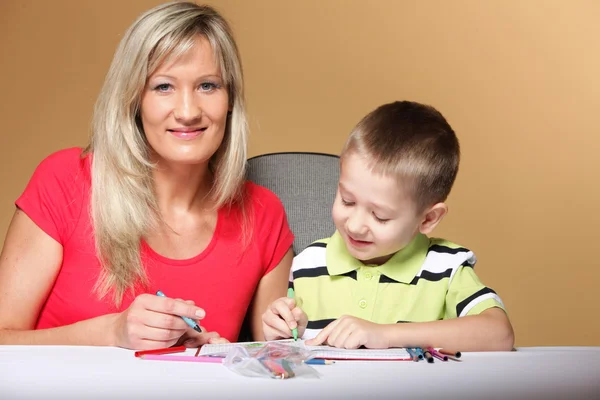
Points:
x=382, y=220
x=347, y=203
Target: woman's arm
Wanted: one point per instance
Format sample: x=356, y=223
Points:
x=29, y=264
x=271, y=287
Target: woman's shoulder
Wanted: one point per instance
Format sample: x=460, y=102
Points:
x=65, y=162
x=260, y=196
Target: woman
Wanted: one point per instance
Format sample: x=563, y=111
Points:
x=156, y=202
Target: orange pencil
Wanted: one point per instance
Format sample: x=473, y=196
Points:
x=450, y=353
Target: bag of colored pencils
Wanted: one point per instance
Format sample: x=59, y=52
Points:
x=270, y=360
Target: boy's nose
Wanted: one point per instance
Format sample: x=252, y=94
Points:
x=356, y=226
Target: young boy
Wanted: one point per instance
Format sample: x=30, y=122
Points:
x=379, y=281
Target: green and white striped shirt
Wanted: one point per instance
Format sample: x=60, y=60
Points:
x=428, y=280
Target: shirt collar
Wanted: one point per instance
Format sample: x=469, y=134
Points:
x=402, y=267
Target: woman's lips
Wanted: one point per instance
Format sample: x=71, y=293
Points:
x=187, y=134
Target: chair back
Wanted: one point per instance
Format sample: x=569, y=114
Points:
x=306, y=183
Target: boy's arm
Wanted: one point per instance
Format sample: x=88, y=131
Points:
x=488, y=331
x=474, y=319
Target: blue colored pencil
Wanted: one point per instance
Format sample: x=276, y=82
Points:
x=319, y=361
x=419, y=353
x=413, y=354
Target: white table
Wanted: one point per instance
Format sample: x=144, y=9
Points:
x=61, y=372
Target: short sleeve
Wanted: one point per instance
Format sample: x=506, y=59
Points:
x=271, y=230
x=53, y=195
x=468, y=296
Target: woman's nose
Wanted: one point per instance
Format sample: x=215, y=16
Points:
x=188, y=108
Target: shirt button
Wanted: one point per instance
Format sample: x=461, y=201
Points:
x=368, y=275
x=362, y=303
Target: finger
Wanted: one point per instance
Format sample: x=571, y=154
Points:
x=340, y=336
x=323, y=335
x=159, y=334
x=302, y=319
x=277, y=325
x=218, y=340
x=199, y=339
x=283, y=308
x=282, y=303
x=186, y=301
x=172, y=306
x=160, y=320
x=354, y=340
x=340, y=333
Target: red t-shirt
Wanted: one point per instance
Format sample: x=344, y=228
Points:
x=221, y=279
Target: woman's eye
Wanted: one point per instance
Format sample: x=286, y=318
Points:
x=208, y=86
x=347, y=203
x=163, y=87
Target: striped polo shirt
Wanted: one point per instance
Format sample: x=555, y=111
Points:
x=428, y=280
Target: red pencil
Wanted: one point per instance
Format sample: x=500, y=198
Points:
x=167, y=350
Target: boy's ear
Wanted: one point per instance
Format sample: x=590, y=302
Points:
x=432, y=217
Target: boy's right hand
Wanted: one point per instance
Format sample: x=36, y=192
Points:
x=281, y=317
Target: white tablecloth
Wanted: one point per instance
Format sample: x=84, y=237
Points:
x=64, y=372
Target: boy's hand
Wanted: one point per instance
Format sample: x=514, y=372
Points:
x=281, y=317
x=351, y=333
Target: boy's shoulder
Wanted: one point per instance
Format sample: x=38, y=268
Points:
x=443, y=253
x=443, y=245
x=313, y=255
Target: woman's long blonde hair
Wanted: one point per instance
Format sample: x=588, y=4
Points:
x=123, y=202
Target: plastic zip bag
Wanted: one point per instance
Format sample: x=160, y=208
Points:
x=271, y=360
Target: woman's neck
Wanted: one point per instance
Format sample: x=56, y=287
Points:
x=182, y=188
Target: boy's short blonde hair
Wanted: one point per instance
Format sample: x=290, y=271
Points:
x=412, y=142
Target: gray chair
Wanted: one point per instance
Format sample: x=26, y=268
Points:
x=306, y=183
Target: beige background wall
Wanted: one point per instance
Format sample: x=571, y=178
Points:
x=518, y=80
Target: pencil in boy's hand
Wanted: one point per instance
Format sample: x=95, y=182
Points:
x=290, y=294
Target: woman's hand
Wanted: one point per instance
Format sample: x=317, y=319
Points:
x=281, y=317
x=153, y=322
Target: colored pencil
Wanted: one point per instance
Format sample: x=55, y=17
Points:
x=419, y=352
x=159, y=357
x=167, y=350
x=437, y=355
x=319, y=361
x=428, y=356
x=413, y=354
x=450, y=353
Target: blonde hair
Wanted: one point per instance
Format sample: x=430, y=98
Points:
x=123, y=203
x=412, y=142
